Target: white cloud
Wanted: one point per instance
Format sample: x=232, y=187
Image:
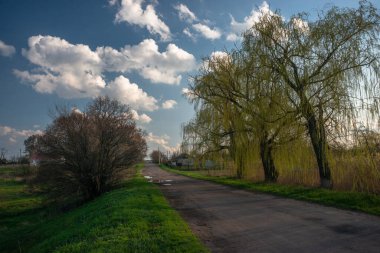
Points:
x=184, y=13
x=14, y=136
x=13, y=139
x=76, y=71
x=201, y=28
x=151, y=64
x=301, y=25
x=6, y=50
x=71, y=71
x=216, y=58
x=188, y=33
x=188, y=93
x=232, y=37
x=76, y=110
x=218, y=55
x=207, y=32
x=132, y=12
x=237, y=28
x=5, y=130
x=142, y=118
x=130, y=93
x=162, y=141
x=169, y=104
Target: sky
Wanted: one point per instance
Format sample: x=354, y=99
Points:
x=143, y=53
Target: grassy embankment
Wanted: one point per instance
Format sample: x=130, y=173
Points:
x=134, y=218
x=368, y=203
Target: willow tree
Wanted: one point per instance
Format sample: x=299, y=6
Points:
x=204, y=136
x=324, y=64
x=204, y=133
x=218, y=124
x=245, y=107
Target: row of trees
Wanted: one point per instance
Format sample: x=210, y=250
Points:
x=158, y=157
x=292, y=79
x=84, y=154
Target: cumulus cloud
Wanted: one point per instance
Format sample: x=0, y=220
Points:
x=207, y=32
x=216, y=58
x=169, y=104
x=188, y=93
x=5, y=130
x=162, y=141
x=185, y=14
x=132, y=12
x=66, y=69
x=130, y=93
x=200, y=28
x=301, y=25
x=218, y=55
x=188, y=33
x=76, y=71
x=232, y=37
x=6, y=50
x=12, y=139
x=76, y=110
x=237, y=28
x=12, y=135
x=142, y=118
x=150, y=63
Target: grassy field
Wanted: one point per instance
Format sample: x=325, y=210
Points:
x=135, y=218
x=368, y=203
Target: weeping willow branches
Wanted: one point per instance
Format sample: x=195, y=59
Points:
x=290, y=79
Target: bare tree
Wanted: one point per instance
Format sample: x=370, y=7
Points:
x=158, y=157
x=86, y=153
x=31, y=145
x=3, y=152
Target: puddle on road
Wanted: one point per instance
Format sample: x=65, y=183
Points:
x=165, y=182
x=150, y=179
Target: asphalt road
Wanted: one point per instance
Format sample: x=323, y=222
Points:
x=231, y=220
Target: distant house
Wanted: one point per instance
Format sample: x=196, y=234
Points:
x=209, y=164
x=185, y=162
x=35, y=159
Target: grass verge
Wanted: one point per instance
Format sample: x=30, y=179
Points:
x=368, y=203
x=134, y=218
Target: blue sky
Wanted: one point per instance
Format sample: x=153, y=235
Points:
x=140, y=52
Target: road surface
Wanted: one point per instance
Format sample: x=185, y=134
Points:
x=232, y=220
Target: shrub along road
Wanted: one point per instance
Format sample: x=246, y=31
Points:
x=232, y=220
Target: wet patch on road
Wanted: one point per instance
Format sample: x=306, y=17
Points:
x=345, y=229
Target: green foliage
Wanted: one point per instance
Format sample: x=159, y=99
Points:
x=294, y=85
x=135, y=218
x=363, y=202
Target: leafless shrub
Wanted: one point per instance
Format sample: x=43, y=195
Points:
x=85, y=154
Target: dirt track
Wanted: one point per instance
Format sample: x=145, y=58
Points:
x=231, y=220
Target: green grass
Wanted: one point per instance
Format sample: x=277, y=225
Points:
x=134, y=218
x=363, y=202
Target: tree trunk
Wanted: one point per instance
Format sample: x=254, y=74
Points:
x=317, y=133
x=270, y=172
x=318, y=140
x=240, y=166
x=237, y=156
